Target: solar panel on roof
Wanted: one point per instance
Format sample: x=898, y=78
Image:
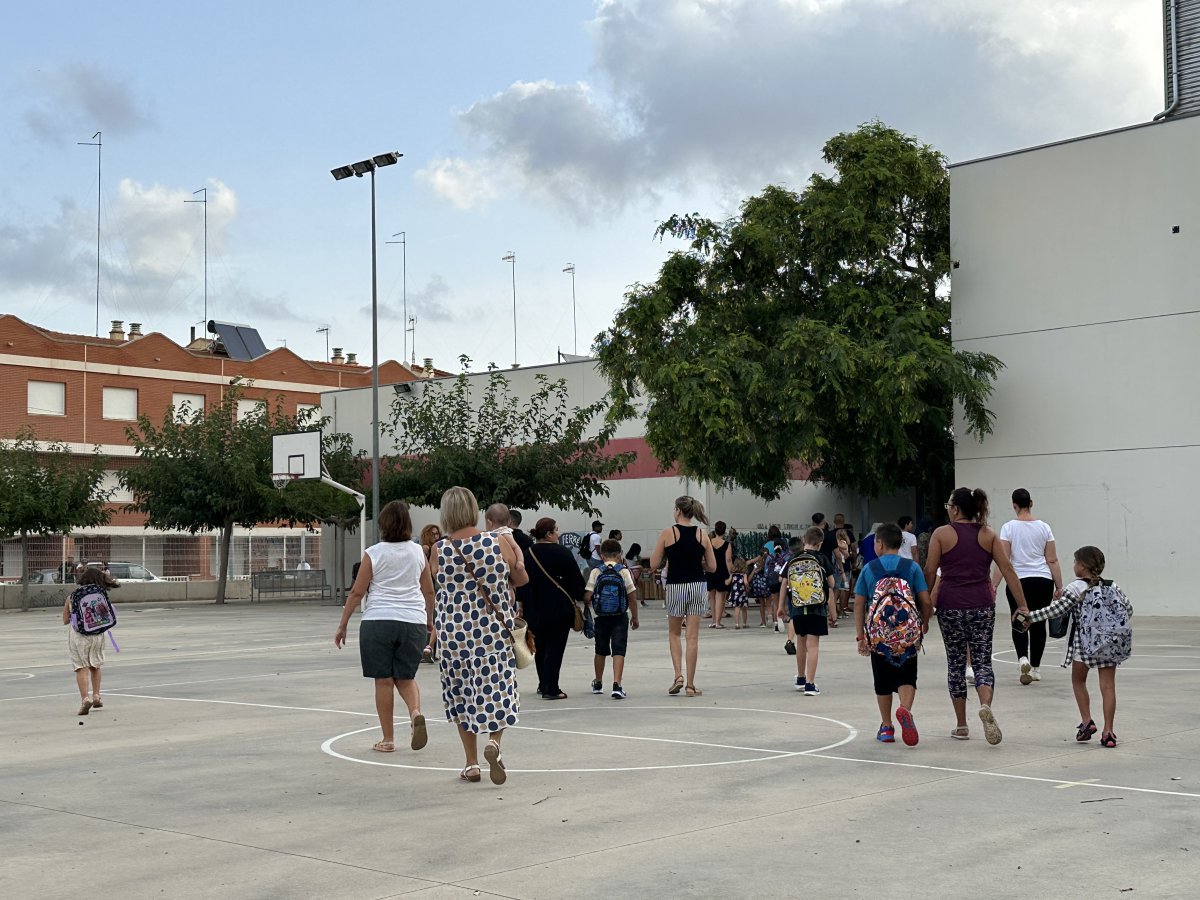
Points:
x=241, y=341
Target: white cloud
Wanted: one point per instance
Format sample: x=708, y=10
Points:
x=731, y=94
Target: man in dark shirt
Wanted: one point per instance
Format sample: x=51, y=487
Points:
x=524, y=541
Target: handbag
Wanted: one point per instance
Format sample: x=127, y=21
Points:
x=577, y=624
x=1060, y=625
x=519, y=638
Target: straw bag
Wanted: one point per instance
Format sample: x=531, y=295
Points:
x=519, y=638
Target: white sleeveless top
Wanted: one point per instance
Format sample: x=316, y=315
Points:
x=395, y=591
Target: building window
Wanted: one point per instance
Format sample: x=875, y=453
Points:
x=120, y=404
x=248, y=408
x=111, y=481
x=186, y=406
x=308, y=413
x=47, y=398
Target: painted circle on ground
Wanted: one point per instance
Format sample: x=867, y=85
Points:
x=16, y=675
x=1125, y=666
x=764, y=755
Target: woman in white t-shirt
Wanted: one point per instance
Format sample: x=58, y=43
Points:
x=397, y=619
x=1030, y=545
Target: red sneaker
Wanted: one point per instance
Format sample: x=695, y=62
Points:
x=908, y=728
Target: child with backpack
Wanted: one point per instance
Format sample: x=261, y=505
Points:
x=610, y=591
x=892, y=610
x=804, y=594
x=1100, y=637
x=739, y=586
x=90, y=614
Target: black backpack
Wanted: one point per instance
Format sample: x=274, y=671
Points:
x=585, y=545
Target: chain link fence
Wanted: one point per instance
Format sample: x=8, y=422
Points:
x=155, y=557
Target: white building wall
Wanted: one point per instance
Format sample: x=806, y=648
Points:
x=1070, y=270
x=639, y=507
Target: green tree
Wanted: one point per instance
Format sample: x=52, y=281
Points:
x=47, y=489
x=812, y=327
x=207, y=470
x=523, y=454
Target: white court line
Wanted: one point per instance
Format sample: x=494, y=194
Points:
x=1055, y=781
x=342, y=712
x=186, y=654
x=16, y=675
x=138, y=687
x=817, y=753
x=1125, y=666
x=1071, y=784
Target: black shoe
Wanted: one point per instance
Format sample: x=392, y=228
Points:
x=789, y=648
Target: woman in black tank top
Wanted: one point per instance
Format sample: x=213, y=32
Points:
x=718, y=579
x=688, y=554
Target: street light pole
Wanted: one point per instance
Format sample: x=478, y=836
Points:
x=511, y=257
x=97, y=141
x=204, y=201
x=570, y=268
x=359, y=169
x=403, y=242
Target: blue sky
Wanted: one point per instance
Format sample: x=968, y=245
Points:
x=562, y=130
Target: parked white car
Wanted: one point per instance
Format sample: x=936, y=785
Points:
x=127, y=572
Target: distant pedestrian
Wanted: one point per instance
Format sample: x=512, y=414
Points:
x=612, y=594
x=1101, y=638
x=964, y=552
x=430, y=535
x=633, y=559
x=804, y=598
x=739, y=593
x=90, y=614
x=591, y=545
x=1034, y=555
x=524, y=541
x=304, y=566
x=718, y=579
x=906, y=524
x=689, y=554
x=396, y=592
x=548, y=601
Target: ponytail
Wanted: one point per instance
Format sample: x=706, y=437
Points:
x=1092, y=559
x=691, y=508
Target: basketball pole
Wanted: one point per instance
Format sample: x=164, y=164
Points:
x=362, y=511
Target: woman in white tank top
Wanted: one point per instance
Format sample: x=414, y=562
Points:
x=396, y=593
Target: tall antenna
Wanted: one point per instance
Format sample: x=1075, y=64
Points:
x=204, y=200
x=325, y=329
x=511, y=257
x=412, y=329
x=98, y=142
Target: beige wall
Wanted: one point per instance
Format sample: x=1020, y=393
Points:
x=1069, y=271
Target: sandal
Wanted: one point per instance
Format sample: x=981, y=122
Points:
x=693, y=691
x=1108, y=739
x=420, y=736
x=470, y=773
x=961, y=733
x=496, y=772
x=559, y=696
x=1085, y=732
x=86, y=706
x=677, y=686
x=97, y=703
x=384, y=747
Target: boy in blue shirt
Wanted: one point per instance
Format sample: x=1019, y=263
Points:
x=889, y=624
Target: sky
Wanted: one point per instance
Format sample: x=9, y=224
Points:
x=563, y=131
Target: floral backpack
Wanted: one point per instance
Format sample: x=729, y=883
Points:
x=1104, y=630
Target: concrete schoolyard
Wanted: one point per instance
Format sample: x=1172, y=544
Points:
x=233, y=759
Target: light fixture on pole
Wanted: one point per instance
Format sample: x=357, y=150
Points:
x=570, y=269
x=324, y=329
x=98, y=142
x=511, y=257
x=204, y=201
x=403, y=287
x=360, y=169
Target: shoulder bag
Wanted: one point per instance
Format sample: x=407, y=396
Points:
x=519, y=637
x=577, y=623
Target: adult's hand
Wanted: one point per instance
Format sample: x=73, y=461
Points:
x=339, y=637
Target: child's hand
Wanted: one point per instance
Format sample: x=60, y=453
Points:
x=633, y=623
x=863, y=649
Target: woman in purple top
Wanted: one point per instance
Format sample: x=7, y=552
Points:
x=964, y=551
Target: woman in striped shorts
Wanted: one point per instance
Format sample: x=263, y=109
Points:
x=689, y=554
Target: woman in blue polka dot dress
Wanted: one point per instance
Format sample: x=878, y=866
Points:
x=473, y=575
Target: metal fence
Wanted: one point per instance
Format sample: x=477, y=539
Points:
x=152, y=556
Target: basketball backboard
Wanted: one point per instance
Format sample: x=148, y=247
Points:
x=297, y=454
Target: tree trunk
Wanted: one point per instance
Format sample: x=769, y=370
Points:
x=24, y=570
x=226, y=540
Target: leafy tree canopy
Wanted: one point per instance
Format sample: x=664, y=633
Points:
x=47, y=489
x=522, y=453
x=812, y=327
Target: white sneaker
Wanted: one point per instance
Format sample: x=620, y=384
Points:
x=970, y=675
x=1026, y=668
x=1035, y=675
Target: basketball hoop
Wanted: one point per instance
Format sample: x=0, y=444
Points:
x=283, y=479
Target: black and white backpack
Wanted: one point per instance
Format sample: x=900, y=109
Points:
x=1104, y=630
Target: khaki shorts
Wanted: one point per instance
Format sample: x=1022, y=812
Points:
x=87, y=650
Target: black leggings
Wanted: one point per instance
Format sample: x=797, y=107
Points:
x=1032, y=643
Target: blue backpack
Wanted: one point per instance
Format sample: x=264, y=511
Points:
x=609, y=597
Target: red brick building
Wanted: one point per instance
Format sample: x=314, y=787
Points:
x=85, y=391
